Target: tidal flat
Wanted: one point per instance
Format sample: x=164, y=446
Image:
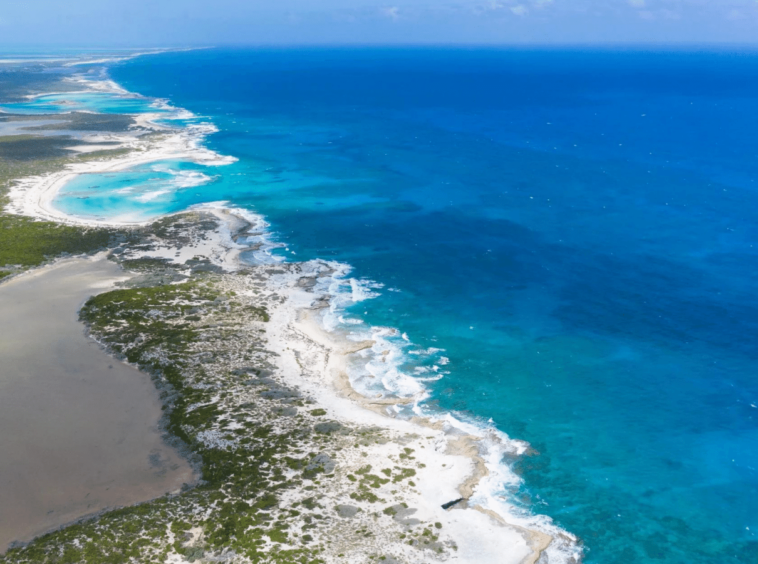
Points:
x=80, y=429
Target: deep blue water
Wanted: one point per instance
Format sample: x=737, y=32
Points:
x=575, y=228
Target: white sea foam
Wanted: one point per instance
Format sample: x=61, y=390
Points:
x=259, y=237
x=183, y=178
x=430, y=350
x=257, y=242
x=150, y=196
x=394, y=368
x=387, y=369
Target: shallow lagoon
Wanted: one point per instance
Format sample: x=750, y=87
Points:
x=101, y=102
x=139, y=193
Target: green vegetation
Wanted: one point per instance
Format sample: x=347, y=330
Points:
x=237, y=505
x=34, y=148
x=83, y=121
x=402, y=474
x=406, y=454
x=391, y=511
x=16, y=84
x=25, y=243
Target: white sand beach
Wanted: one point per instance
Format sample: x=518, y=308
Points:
x=315, y=360
x=33, y=197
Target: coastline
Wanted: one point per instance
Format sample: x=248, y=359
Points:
x=309, y=357
x=314, y=360
x=33, y=197
x=334, y=353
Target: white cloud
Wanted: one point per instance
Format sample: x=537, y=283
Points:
x=637, y=3
x=392, y=12
x=519, y=8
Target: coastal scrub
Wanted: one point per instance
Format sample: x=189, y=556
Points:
x=268, y=464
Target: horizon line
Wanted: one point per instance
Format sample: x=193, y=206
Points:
x=666, y=45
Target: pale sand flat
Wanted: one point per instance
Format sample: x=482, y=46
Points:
x=78, y=429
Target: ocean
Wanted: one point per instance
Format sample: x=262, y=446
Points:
x=557, y=244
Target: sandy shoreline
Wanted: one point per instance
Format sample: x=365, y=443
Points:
x=33, y=196
x=484, y=536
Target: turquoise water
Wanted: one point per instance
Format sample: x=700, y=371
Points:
x=100, y=102
x=566, y=237
x=137, y=194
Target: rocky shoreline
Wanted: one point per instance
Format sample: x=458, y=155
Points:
x=293, y=470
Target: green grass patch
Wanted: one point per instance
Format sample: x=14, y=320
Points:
x=25, y=243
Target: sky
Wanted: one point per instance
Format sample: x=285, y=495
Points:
x=122, y=23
